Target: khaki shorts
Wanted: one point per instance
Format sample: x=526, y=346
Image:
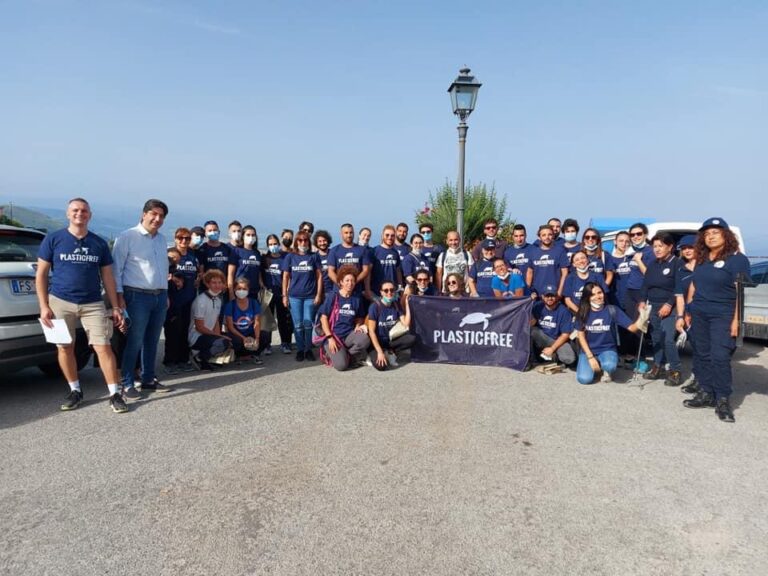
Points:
x=93, y=317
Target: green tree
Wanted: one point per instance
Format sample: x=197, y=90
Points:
x=8, y=222
x=480, y=203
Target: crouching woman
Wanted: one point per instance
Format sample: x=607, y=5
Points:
x=382, y=317
x=205, y=335
x=597, y=327
x=342, y=318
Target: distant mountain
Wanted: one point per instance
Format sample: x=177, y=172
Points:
x=35, y=218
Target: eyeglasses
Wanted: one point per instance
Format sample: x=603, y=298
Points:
x=422, y=279
x=387, y=290
x=184, y=238
x=389, y=235
x=491, y=227
x=635, y=234
x=590, y=237
x=452, y=283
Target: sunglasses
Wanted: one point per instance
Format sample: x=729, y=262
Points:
x=387, y=290
x=590, y=237
x=491, y=227
x=422, y=279
x=453, y=283
x=184, y=238
x=635, y=234
x=301, y=241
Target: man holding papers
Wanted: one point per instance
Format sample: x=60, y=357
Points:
x=79, y=262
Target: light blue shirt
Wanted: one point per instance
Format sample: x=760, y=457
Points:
x=141, y=260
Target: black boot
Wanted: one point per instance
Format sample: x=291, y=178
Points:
x=723, y=410
x=701, y=400
x=673, y=378
x=691, y=388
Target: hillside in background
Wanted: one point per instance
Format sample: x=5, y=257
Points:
x=33, y=218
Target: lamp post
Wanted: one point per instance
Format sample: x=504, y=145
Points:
x=463, y=93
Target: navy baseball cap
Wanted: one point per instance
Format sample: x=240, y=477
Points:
x=714, y=223
x=687, y=240
x=489, y=244
x=549, y=289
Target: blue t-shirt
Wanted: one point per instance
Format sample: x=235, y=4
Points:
x=248, y=265
x=302, y=269
x=355, y=255
x=350, y=309
x=597, y=265
x=385, y=317
x=683, y=279
x=482, y=273
x=518, y=257
x=323, y=261
x=574, y=285
x=211, y=257
x=636, y=277
x=571, y=250
x=600, y=330
x=553, y=322
x=622, y=268
x=431, y=253
x=76, y=265
x=187, y=266
x=243, y=319
x=515, y=282
x=547, y=267
x=412, y=264
x=273, y=273
x=714, y=283
x=386, y=263
x=402, y=249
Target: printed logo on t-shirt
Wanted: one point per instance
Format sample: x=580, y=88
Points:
x=598, y=326
x=545, y=260
x=303, y=266
x=346, y=310
x=547, y=322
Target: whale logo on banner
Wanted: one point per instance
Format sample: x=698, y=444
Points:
x=477, y=331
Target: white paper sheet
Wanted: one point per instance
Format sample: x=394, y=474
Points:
x=59, y=334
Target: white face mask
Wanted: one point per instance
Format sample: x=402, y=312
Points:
x=595, y=306
x=241, y=293
x=582, y=270
x=214, y=293
x=249, y=240
x=234, y=236
x=416, y=251
x=303, y=249
x=503, y=276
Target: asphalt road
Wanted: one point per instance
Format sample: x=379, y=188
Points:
x=294, y=469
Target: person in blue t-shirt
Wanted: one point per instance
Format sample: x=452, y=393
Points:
x=421, y=286
x=577, y=278
x=599, y=263
x=620, y=257
x=185, y=270
x=303, y=291
x=548, y=263
x=245, y=262
x=504, y=283
x=551, y=327
x=213, y=254
x=517, y=253
x=342, y=320
x=241, y=317
x=481, y=272
x=382, y=316
x=273, y=280
x=79, y=263
x=715, y=318
x=596, y=324
x=571, y=244
x=414, y=260
x=401, y=235
x=430, y=251
x=386, y=264
x=322, y=242
x=349, y=253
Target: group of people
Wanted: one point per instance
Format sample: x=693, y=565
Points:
x=350, y=301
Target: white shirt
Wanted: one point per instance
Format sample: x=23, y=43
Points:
x=141, y=260
x=207, y=309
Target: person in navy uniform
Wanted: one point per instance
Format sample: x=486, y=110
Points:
x=714, y=318
x=686, y=248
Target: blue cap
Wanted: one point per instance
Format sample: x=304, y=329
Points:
x=489, y=244
x=549, y=289
x=714, y=223
x=687, y=240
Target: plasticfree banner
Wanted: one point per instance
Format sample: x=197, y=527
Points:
x=478, y=331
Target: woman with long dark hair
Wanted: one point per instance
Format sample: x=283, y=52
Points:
x=715, y=320
x=273, y=280
x=597, y=326
x=302, y=291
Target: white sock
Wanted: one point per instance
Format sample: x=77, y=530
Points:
x=113, y=389
x=75, y=385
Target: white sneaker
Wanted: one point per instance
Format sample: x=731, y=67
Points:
x=368, y=362
x=606, y=377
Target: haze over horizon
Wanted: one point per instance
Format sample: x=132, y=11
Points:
x=338, y=111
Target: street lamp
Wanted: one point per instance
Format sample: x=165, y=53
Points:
x=463, y=93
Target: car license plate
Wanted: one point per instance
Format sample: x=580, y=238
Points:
x=23, y=287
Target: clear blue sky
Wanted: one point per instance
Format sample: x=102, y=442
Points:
x=275, y=112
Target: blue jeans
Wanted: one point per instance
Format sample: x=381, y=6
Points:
x=663, y=338
x=303, y=315
x=147, y=314
x=608, y=361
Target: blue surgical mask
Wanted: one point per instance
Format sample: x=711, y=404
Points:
x=274, y=249
x=570, y=236
x=427, y=236
x=589, y=248
x=212, y=235
x=197, y=241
